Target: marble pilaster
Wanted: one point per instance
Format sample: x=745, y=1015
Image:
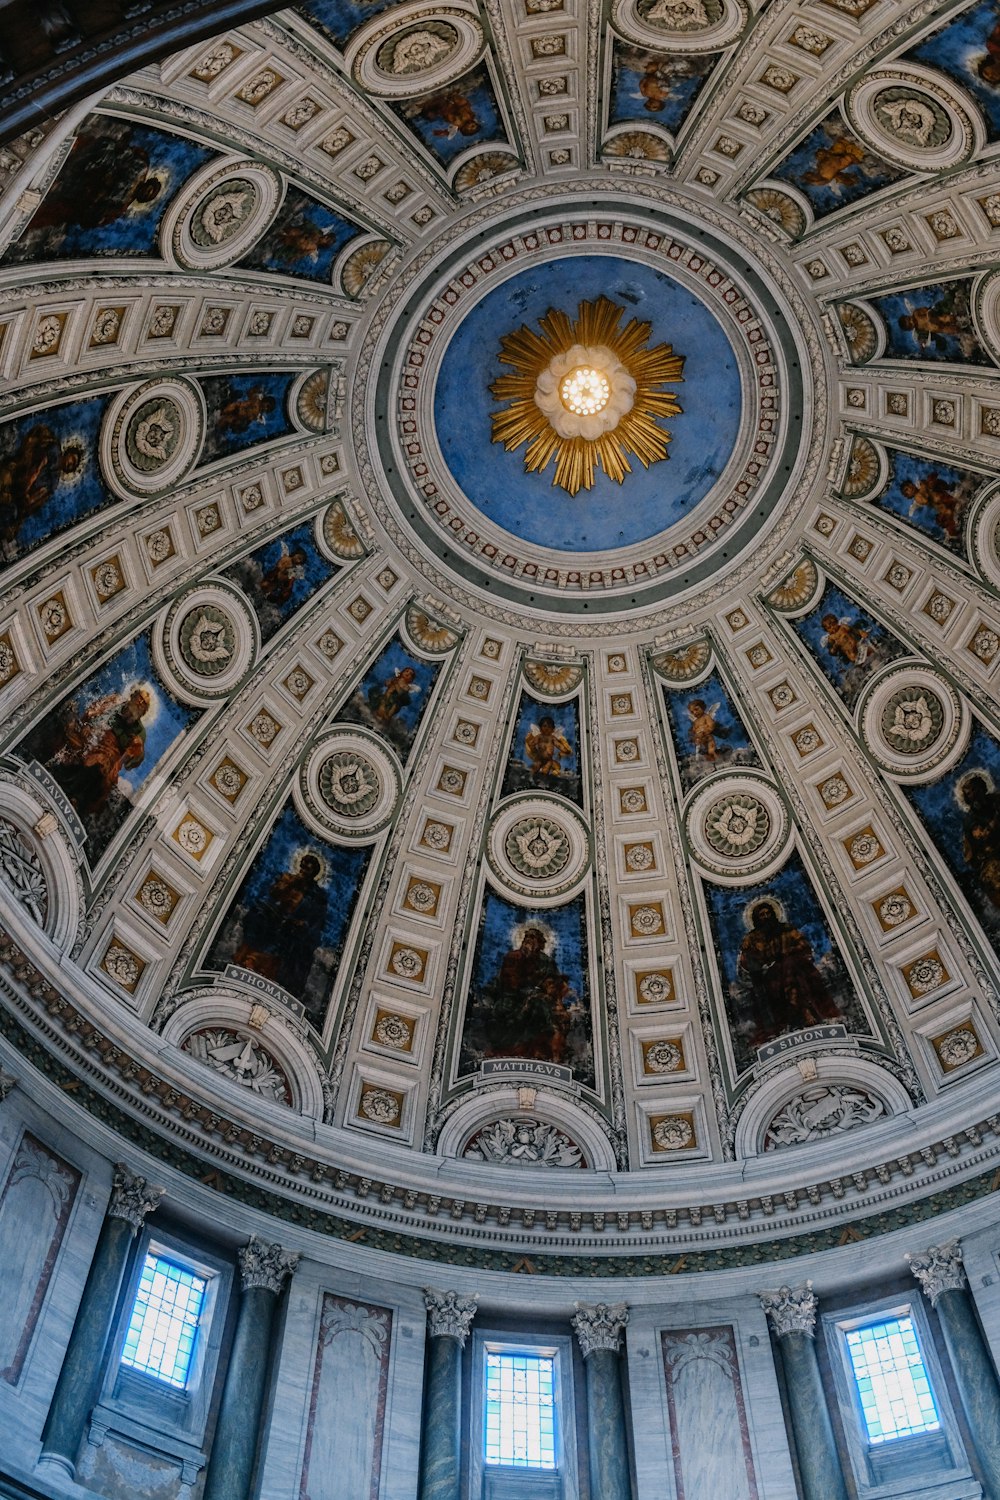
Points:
x=792, y=1315
x=940, y=1271
x=264, y=1270
x=599, y=1329
x=77, y=1388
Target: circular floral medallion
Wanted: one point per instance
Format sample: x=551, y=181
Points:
x=538, y=847
x=686, y=25
x=913, y=722
x=915, y=118
x=958, y=1047
x=207, y=644
x=737, y=826
x=419, y=49
x=395, y=1031
x=662, y=1057
x=222, y=212
x=380, y=1105
x=348, y=785
x=673, y=1133
x=152, y=436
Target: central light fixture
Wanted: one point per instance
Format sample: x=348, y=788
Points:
x=587, y=393
x=584, y=391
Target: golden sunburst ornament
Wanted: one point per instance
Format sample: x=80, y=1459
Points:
x=585, y=393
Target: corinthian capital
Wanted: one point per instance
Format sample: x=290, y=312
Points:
x=449, y=1315
x=264, y=1265
x=600, y=1326
x=791, y=1309
x=939, y=1269
x=132, y=1197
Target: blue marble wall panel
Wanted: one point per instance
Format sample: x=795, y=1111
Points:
x=710, y=1436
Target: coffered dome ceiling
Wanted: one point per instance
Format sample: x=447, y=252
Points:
x=500, y=620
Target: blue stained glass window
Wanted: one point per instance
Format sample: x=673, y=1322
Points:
x=895, y=1393
x=164, y=1323
x=520, y=1410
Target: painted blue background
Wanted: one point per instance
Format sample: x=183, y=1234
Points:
x=497, y=923
x=732, y=743
x=520, y=776
x=304, y=240
x=72, y=496
x=400, y=730
x=943, y=816
x=950, y=299
x=222, y=440
x=847, y=677
x=727, y=906
x=609, y=515
x=963, y=485
x=130, y=668
x=441, y=137
x=959, y=49
x=341, y=880
x=678, y=81
x=339, y=18
x=88, y=209
x=855, y=180
x=249, y=572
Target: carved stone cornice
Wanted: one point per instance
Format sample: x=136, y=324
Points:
x=939, y=1269
x=8, y=1082
x=791, y=1309
x=449, y=1314
x=265, y=1266
x=599, y=1326
x=132, y=1197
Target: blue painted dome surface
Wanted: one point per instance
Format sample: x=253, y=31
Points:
x=609, y=515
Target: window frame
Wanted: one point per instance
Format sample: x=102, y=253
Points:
x=931, y=1464
x=159, y=1416
x=492, y=1481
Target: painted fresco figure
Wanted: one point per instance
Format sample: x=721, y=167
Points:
x=103, y=178
x=450, y=113
x=282, y=931
x=387, y=699
x=932, y=491
x=277, y=581
x=839, y=162
x=787, y=989
x=545, y=744
x=981, y=834
x=989, y=66
x=108, y=737
x=848, y=640
x=947, y=318
x=705, y=730
x=31, y=474
x=239, y=413
x=523, y=1016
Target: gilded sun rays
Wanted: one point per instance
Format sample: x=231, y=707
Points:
x=586, y=393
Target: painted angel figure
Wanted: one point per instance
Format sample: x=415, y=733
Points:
x=848, y=639
x=545, y=745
